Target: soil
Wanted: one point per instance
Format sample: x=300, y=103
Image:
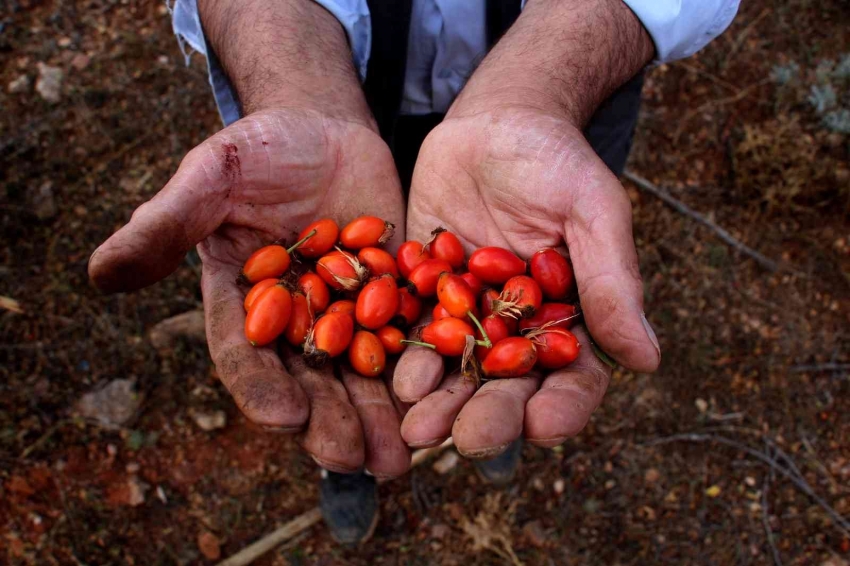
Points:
x=758, y=358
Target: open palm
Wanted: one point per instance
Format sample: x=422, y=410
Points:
x=259, y=180
x=526, y=180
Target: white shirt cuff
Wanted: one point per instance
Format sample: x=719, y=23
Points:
x=680, y=28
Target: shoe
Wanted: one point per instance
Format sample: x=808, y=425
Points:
x=501, y=470
x=349, y=504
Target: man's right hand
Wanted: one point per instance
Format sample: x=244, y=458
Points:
x=306, y=150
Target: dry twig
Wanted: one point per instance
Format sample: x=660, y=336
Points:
x=791, y=472
x=821, y=367
x=306, y=520
x=710, y=76
x=43, y=438
x=681, y=207
x=768, y=478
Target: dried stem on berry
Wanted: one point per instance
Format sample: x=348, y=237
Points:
x=302, y=241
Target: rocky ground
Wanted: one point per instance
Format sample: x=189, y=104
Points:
x=736, y=452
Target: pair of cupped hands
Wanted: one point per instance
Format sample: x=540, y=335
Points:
x=503, y=169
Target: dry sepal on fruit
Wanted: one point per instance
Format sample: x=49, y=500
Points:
x=339, y=292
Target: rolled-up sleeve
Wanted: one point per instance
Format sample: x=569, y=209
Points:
x=680, y=28
x=353, y=15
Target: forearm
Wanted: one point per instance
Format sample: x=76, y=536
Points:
x=562, y=56
x=285, y=53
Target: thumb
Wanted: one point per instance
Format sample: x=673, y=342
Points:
x=161, y=231
x=599, y=235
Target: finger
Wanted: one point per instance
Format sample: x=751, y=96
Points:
x=419, y=370
x=161, y=231
x=493, y=418
x=602, y=249
x=429, y=422
x=567, y=398
x=387, y=456
x=334, y=435
x=418, y=373
x=255, y=377
x=400, y=406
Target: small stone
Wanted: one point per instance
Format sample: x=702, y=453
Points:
x=538, y=484
x=162, y=59
x=129, y=493
x=111, y=405
x=652, y=475
x=535, y=534
x=49, y=83
x=210, y=421
x=189, y=325
x=44, y=203
x=750, y=481
x=446, y=462
x=137, y=491
x=440, y=531
x=209, y=545
x=64, y=41
x=702, y=405
x=19, y=85
x=10, y=304
x=80, y=61
x=112, y=450
x=559, y=486
x=160, y=494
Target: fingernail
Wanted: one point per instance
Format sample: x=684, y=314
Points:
x=330, y=466
x=651, y=333
x=426, y=443
x=379, y=477
x=91, y=257
x=282, y=429
x=483, y=453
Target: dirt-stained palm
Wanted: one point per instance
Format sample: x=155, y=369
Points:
x=524, y=179
x=259, y=180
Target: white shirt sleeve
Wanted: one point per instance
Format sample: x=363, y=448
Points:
x=680, y=28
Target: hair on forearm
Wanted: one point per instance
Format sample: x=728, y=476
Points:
x=278, y=50
x=565, y=54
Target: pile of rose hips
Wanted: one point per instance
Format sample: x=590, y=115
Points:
x=493, y=316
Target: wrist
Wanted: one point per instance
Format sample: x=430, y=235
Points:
x=561, y=57
x=290, y=54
